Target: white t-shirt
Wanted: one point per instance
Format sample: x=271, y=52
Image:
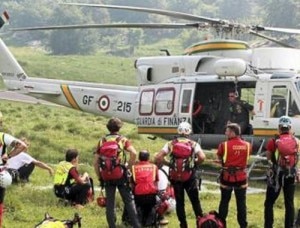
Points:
x=19, y=160
x=163, y=178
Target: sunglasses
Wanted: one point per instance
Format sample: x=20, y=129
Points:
x=231, y=96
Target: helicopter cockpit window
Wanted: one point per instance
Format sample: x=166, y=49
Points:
x=146, y=102
x=186, y=99
x=279, y=101
x=164, y=101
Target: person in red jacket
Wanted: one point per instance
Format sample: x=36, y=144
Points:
x=234, y=154
x=145, y=178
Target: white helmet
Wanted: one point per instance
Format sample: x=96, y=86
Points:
x=285, y=121
x=5, y=179
x=184, y=128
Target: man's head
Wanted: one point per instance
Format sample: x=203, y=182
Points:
x=232, y=96
x=71, y=154
x=284, y=124
x=184, y=128
x=144, y=155
x=232, y=130
x=114, y=124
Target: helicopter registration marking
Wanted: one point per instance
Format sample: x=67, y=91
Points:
x=69, y=97
x=103, y=103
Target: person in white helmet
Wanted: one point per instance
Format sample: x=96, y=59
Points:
x=282, y=152
x=184, y=155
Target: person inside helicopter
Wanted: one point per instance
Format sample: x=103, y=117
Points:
x=239, y=111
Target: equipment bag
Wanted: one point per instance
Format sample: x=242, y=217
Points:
x=182, y=157
x=287, y=148
x=110, y=161
x=210, y=220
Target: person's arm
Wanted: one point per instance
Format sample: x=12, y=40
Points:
x=44, y=166
x=96, y=165
x=199, y=153
x=79, y=179
x=132, y=156
x=18, y=147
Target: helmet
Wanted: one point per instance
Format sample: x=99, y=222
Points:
x=101, y=201
x=285, y=121
x=162, y=207
x=5, y=179
x=184, y=128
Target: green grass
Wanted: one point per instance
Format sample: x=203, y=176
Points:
x=51, y=130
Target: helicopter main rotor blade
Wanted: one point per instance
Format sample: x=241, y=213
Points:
x=274, y=29
x=271, y=39
x=132, y=25
x=169, y=13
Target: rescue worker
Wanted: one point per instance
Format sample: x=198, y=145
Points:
x=69, y=184
x=16, y=146
x=282, y=152
x=145, y=178
x=112, y=171
x=183, y=152
x=234, y=154
x=239, y=112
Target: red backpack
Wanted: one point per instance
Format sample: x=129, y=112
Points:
x=287, y=146
x=210, y=220
x=182, y=157
x=110, y=161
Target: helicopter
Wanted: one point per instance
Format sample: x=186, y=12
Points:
x=191, y=87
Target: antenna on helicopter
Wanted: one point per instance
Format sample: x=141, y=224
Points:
x=166, y=51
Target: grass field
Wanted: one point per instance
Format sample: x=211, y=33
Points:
x=53, y=129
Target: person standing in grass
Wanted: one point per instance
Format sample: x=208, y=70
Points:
x=183, y=152
x=69, y=184
x=234, y=154
x=111, y=169
x=22, y=165
x=16, y=146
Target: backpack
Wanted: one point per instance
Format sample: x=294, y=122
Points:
x=210, y=220
x=287, y=146
x=110, y=161
x=182, y=160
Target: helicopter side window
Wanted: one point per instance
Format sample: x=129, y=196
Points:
x=164, y=102
x=186, y=99
x=293, y=107
x=278, y=101
x=146, y=101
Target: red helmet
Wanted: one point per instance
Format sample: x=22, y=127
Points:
x=101, y=201
x=162, y=207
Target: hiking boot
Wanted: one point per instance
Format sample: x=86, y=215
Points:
x=164, y=221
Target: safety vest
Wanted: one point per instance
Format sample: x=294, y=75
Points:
x=62, y=172
x=2, y=144
x=235, y=157
x=144, y=178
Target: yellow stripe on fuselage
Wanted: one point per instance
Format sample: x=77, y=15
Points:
x=215, y=47
x=157, y=130
x=69, y=97
x=265, y=132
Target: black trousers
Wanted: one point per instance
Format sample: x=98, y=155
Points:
x=76, y=193
x=240, y=196
x=145, y=205
x=288, y=186
x=191, y=188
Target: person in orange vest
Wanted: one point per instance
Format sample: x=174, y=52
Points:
x=234, y=155
x=145, y=178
